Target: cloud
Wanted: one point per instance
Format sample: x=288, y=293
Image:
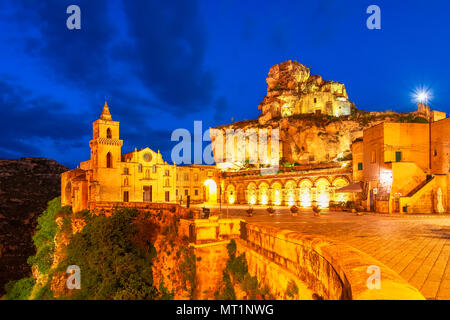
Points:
x=169, y=48
x=27, y=119
x=154, y=50
x=220, y=109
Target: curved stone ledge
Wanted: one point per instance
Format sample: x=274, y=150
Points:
x=330, y=269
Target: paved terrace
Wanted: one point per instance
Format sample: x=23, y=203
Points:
x=416, y=247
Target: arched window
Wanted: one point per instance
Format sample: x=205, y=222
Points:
x=109, y=160
x=139, y=167
x=125, y=182
x=108, y=133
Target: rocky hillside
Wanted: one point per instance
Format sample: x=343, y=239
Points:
x=318, y=138
x=26, y=185
x=316, y=120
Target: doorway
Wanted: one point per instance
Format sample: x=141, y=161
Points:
x=210, y=191
x=372, y=201
x=148, y=194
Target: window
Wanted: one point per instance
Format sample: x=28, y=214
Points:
x=196, y=192
x=167, y=194
x=167, y=183
x=154, y=168
x=147, y=157
x=126, y=197
x=176, y=192
x=315, y=100
x=186, y=192
x=139, y=167
x=186, y=177
x=373, y=156
x=166, y=173
x=125, y=171
x=109, y=160
x=360, y=166
x=435, y=153
x=147, y=174
x=108, y=133
x=125, y=181
x=195, y=176
x=398, y=156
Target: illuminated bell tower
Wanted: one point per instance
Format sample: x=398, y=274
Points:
x=106, y=157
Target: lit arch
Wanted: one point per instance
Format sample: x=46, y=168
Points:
x=339, y=183
x=323, y=193
x=263, y=189
x=290, y=192
x=277, y=193
x=231, y=194
x=251, y=193
x=210, y=190
x=305, y=192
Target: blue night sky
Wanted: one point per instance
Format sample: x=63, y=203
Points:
x=163, y=64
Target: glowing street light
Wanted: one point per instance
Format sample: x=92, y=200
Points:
x=422, y=95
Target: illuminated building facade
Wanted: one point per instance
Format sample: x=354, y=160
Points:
x=138, y=176
x=405, y=167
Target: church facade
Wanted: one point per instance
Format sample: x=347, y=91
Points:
x=138, y=176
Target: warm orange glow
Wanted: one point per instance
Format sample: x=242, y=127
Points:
x=264, y=199
x=323, y=199
x=305, y=198
x=277, y=200
x=211, y=190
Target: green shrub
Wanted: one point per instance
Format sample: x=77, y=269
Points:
x=46, y=225
x=20, y=289
x=115, y=257
x=188, y=269
x=228, y=291
x=292, y=289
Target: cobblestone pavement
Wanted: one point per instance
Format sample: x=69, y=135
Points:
x=416, y=247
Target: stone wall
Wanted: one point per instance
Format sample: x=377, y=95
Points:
x=211, y=260
x=329, y=270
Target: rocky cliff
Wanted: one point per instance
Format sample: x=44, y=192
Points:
x=26, y=185
x=317, y=122
x=292, y=90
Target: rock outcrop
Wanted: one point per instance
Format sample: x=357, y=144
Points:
x=291, y=90
x=316, y=121
x=26, y=185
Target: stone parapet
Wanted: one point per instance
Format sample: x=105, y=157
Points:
x=331, y=270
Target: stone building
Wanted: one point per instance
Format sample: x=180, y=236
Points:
x=292, y=90
x=405, y=167
x=138, y=176
x=303, y=186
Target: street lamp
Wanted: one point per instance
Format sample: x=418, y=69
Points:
x=422, y=95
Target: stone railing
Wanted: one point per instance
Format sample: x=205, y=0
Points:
x=108, y=207
x=330, y=270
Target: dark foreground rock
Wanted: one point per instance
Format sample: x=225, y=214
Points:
x=26, y=185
